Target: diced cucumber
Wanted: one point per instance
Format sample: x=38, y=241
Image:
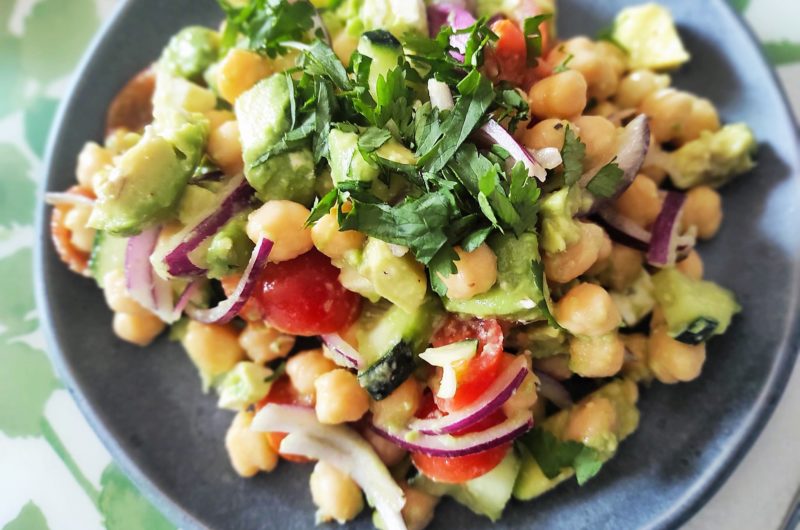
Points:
x=108, y=254
x=695, y=310
x=388, y=372
x=486, y=495
x=384, y=50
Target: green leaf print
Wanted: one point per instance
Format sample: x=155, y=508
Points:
x=26, y=382
x=740, y=5
x=17, y=303
x=38, y=119
x=12, y=94
x=29, y=518
x=782, y=52
x=56, y=35
x=17, y=190
x=123, y=507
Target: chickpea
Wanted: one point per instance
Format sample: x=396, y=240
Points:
x=218, y=117
x=672, y=361
x=91, y=160
x=304, y=368
x=239, y=71
x=140, y=329
x=340, y=398
x=599, y=356
x=640, y=202
x=225, y=148
x=591, y=421
x=625, y=265
x=565, y=266
x=213, y=348
x=343, y=46
x=419, y=508
x=703, y=209
x=655, y=173
x=561, y=95
x=399, y=406
x=691, y=266
x=336, y=495
x=601, y=76
x=587, y=309
x=546, y=133
x=613, y=55
x=117, y=296
x=524, y=398
x=81, y=236
x=635, y=87
x=330, y=241
x=607, y=110
x=703, y=117
x=263, y=343
x=477, y=273
x=249, y=451
x=667, y=109
x=635, y=365
x=600, y=137
x=282, y=222
x=556, y=366
x=390, y=453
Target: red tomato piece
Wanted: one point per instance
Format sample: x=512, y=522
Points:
x=303, y=296
x=283, y=393
x=458, y=469
x=478, y=373
x=510, y=50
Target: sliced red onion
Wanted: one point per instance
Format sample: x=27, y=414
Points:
x=342, y=448
x=226, y=310
x=552, y=389
x=492, y=399
x=234, y=197
x=623, y=230
x=494, y=133
x=466, y=444
x=346, y=355
x=455, y=16
x=186, y=295
x=73, y=199
x=548, y=158
x=664, y=244
x=633, y=146
x=139, y=274
x=441, y=97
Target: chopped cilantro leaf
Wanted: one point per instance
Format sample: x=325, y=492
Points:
x=323, y=206
x=564, y=65
x=553, y=455
x=371, y=139
x=587, y=464
x=606, y=182
x=541, y=284
x=267, y=24
x=533, y=36
x=572, y=155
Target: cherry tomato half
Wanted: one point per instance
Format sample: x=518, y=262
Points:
x=283, y=393
x=303, y=296
x=479, y=372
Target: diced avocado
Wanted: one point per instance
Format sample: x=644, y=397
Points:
x=175, y=96
x=347, y=164
x=352, y=279
x=531, y=480
x=263, y=116
x=714, y=158
x=401, y=280
x=623, y=394
x=108, y=254
x=695, y=310
x=636, y=301
x=196, y=200
x=649, y=35
x=541, y=339
x=147, y=180
x=559, y=226
x=486, y=495
x=515, y=295
x=190, y=52
x=230, y=248
x=244, y=385
x=384, y=50
x=395, y=16
x=381, y=326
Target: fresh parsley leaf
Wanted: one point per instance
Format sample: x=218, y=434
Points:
x=442, y=265
x=372, y=139
x=533, y=36
x=547, y=303
x=550, y=453
x=322, y=207
x=606, y=182
x=267, y=24
x=524, y=193
x=476, y=238
x=564, y=65
x=291, y=140
x=587, y=464
x=325, y=107
x=572, y=155
x=318, y=59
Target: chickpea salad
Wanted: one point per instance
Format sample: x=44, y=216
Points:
x=434, y=248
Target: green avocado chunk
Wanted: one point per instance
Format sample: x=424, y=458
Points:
x=649, y=35
x=515, y=295
x=399, y=279
x=559, y=226
x=714, y=158
x=230, y=248
x=263, y=115
x=190, y=51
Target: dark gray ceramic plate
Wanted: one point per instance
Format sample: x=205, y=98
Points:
x=147, y=406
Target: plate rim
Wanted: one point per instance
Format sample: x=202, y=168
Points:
x=748, y=430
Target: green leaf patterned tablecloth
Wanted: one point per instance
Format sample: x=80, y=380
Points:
x=54, y=473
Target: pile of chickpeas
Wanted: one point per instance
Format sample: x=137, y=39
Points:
x=593, y=96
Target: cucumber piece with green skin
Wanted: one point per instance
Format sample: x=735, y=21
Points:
x=486, y=495
x=384, y=50
x=695, y=310
x=389, y=372
x=108, y=254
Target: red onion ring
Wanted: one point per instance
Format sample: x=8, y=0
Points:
x=347, y=356
x=664, y=244
x=494, y=133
